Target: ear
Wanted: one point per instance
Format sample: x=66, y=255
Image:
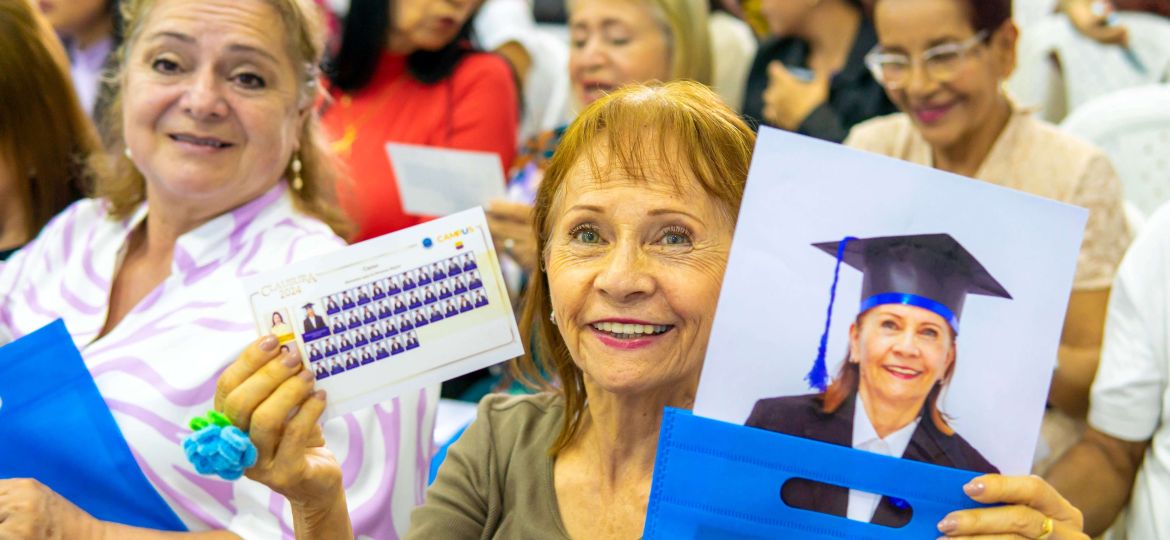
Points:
x=854, y=343
x=1003, y=45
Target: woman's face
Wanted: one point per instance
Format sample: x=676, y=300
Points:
x=946, y=113
x=71, y=16
x=431, y=24
x=614, y=43
x=277, y=319
x=634, y=270
x=785, y=16
x=902, y=352
x=211, y=103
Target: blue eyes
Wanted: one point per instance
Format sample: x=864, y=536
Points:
x=672, y=236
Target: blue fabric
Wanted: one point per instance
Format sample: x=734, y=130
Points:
x=714, y=479
x=57, y=429
x=912, y=300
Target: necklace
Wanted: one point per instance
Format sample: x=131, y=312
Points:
x=344, y=146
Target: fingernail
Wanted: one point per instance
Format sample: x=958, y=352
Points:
x=269, y=343
x=319, y=394
x=974, y=488
x=305, y=375
x=947, y=525
x=292, y=358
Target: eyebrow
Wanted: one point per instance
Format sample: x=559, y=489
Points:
x=655, y=213
x=235, y=47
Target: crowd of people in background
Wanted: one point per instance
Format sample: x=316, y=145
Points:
x=151, y=151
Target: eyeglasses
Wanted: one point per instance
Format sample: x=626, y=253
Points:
x=941, y=63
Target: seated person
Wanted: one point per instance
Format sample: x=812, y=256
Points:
x=956, y=118
x=560, y=449
x=212, y=177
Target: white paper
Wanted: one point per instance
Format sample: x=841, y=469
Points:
x=361, y=293
x=440, y=181
x=772, y=308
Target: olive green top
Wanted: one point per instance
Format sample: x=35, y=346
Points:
x=497, y=479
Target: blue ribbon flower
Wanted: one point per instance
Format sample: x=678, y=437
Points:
x=217, y=447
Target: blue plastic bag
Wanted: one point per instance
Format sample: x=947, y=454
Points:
x=717, y=480
x=55, y=427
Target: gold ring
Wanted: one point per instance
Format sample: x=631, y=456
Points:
x=1045, y=529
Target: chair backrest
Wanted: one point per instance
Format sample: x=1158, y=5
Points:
x=547, y=95
x=1132, y=126
x=1087, y=69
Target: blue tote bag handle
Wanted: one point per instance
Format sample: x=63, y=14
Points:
x=57, y=429
x=717, y=480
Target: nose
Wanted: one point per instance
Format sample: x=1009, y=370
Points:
x=204, y=98
x=906, y=344
x=625, y=278
x=919, y=83
x=592, y=54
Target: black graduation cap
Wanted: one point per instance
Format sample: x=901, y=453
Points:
x=307, y=306
x=931, y=271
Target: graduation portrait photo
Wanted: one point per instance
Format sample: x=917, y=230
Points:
x=891, y=308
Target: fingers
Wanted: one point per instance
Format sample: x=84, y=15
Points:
x=269, y=421
x=1029, y=501
x=777, y=72
x=1030, y=491
x=302, y=431
x=241, y=403
x=510, y=211
x=255, y=356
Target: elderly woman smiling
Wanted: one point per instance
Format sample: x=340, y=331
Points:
x=223, y=175
x=634, y=223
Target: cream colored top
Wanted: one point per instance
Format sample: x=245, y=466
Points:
x=1035, y=157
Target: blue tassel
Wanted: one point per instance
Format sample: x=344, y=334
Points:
x=818, y=376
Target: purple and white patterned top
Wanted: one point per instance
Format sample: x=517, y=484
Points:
x=158, y=368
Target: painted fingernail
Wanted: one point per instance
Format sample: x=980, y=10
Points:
x=947, y=525
x=292, y=358
x=305, y=375
x=268, y=343
x=974, y=488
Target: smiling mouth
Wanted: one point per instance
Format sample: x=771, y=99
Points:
x=905, y=373
x=200, y=141
x=630, y=331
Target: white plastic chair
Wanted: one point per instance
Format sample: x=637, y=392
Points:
x=1087, y=69
x=1133, y=127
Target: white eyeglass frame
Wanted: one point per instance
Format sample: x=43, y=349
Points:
x=876, y=57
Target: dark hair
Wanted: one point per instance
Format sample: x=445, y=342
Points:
x=983, y=14
x=364, y=35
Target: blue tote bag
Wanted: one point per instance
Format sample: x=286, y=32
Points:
x=57, y=429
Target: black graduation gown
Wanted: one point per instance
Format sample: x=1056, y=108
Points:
x=802, y=416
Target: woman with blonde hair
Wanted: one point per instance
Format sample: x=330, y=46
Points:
x=45, y=136
x=220, y=172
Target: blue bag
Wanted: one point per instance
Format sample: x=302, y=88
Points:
x=716, y=480
x=57, y=429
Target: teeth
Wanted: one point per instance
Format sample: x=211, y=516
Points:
x=630, y=329
x=204, y=142
x=903, y=371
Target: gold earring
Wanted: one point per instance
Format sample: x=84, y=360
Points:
x=297, y=183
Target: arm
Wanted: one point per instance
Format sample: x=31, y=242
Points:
x=1097, y=476
x=1094, y=25
x=1080, y=350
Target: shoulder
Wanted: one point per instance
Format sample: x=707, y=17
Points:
x=784, y=414
x=1039, y=135
x=479, y=66
x=881, y=135
x=955, y=450
x=509, y=416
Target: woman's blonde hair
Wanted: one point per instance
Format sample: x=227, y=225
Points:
x=123, y=186
x=45, y=136
x=637, y=129
x=688, y=38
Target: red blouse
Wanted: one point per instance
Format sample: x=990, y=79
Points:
x=475, y=108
